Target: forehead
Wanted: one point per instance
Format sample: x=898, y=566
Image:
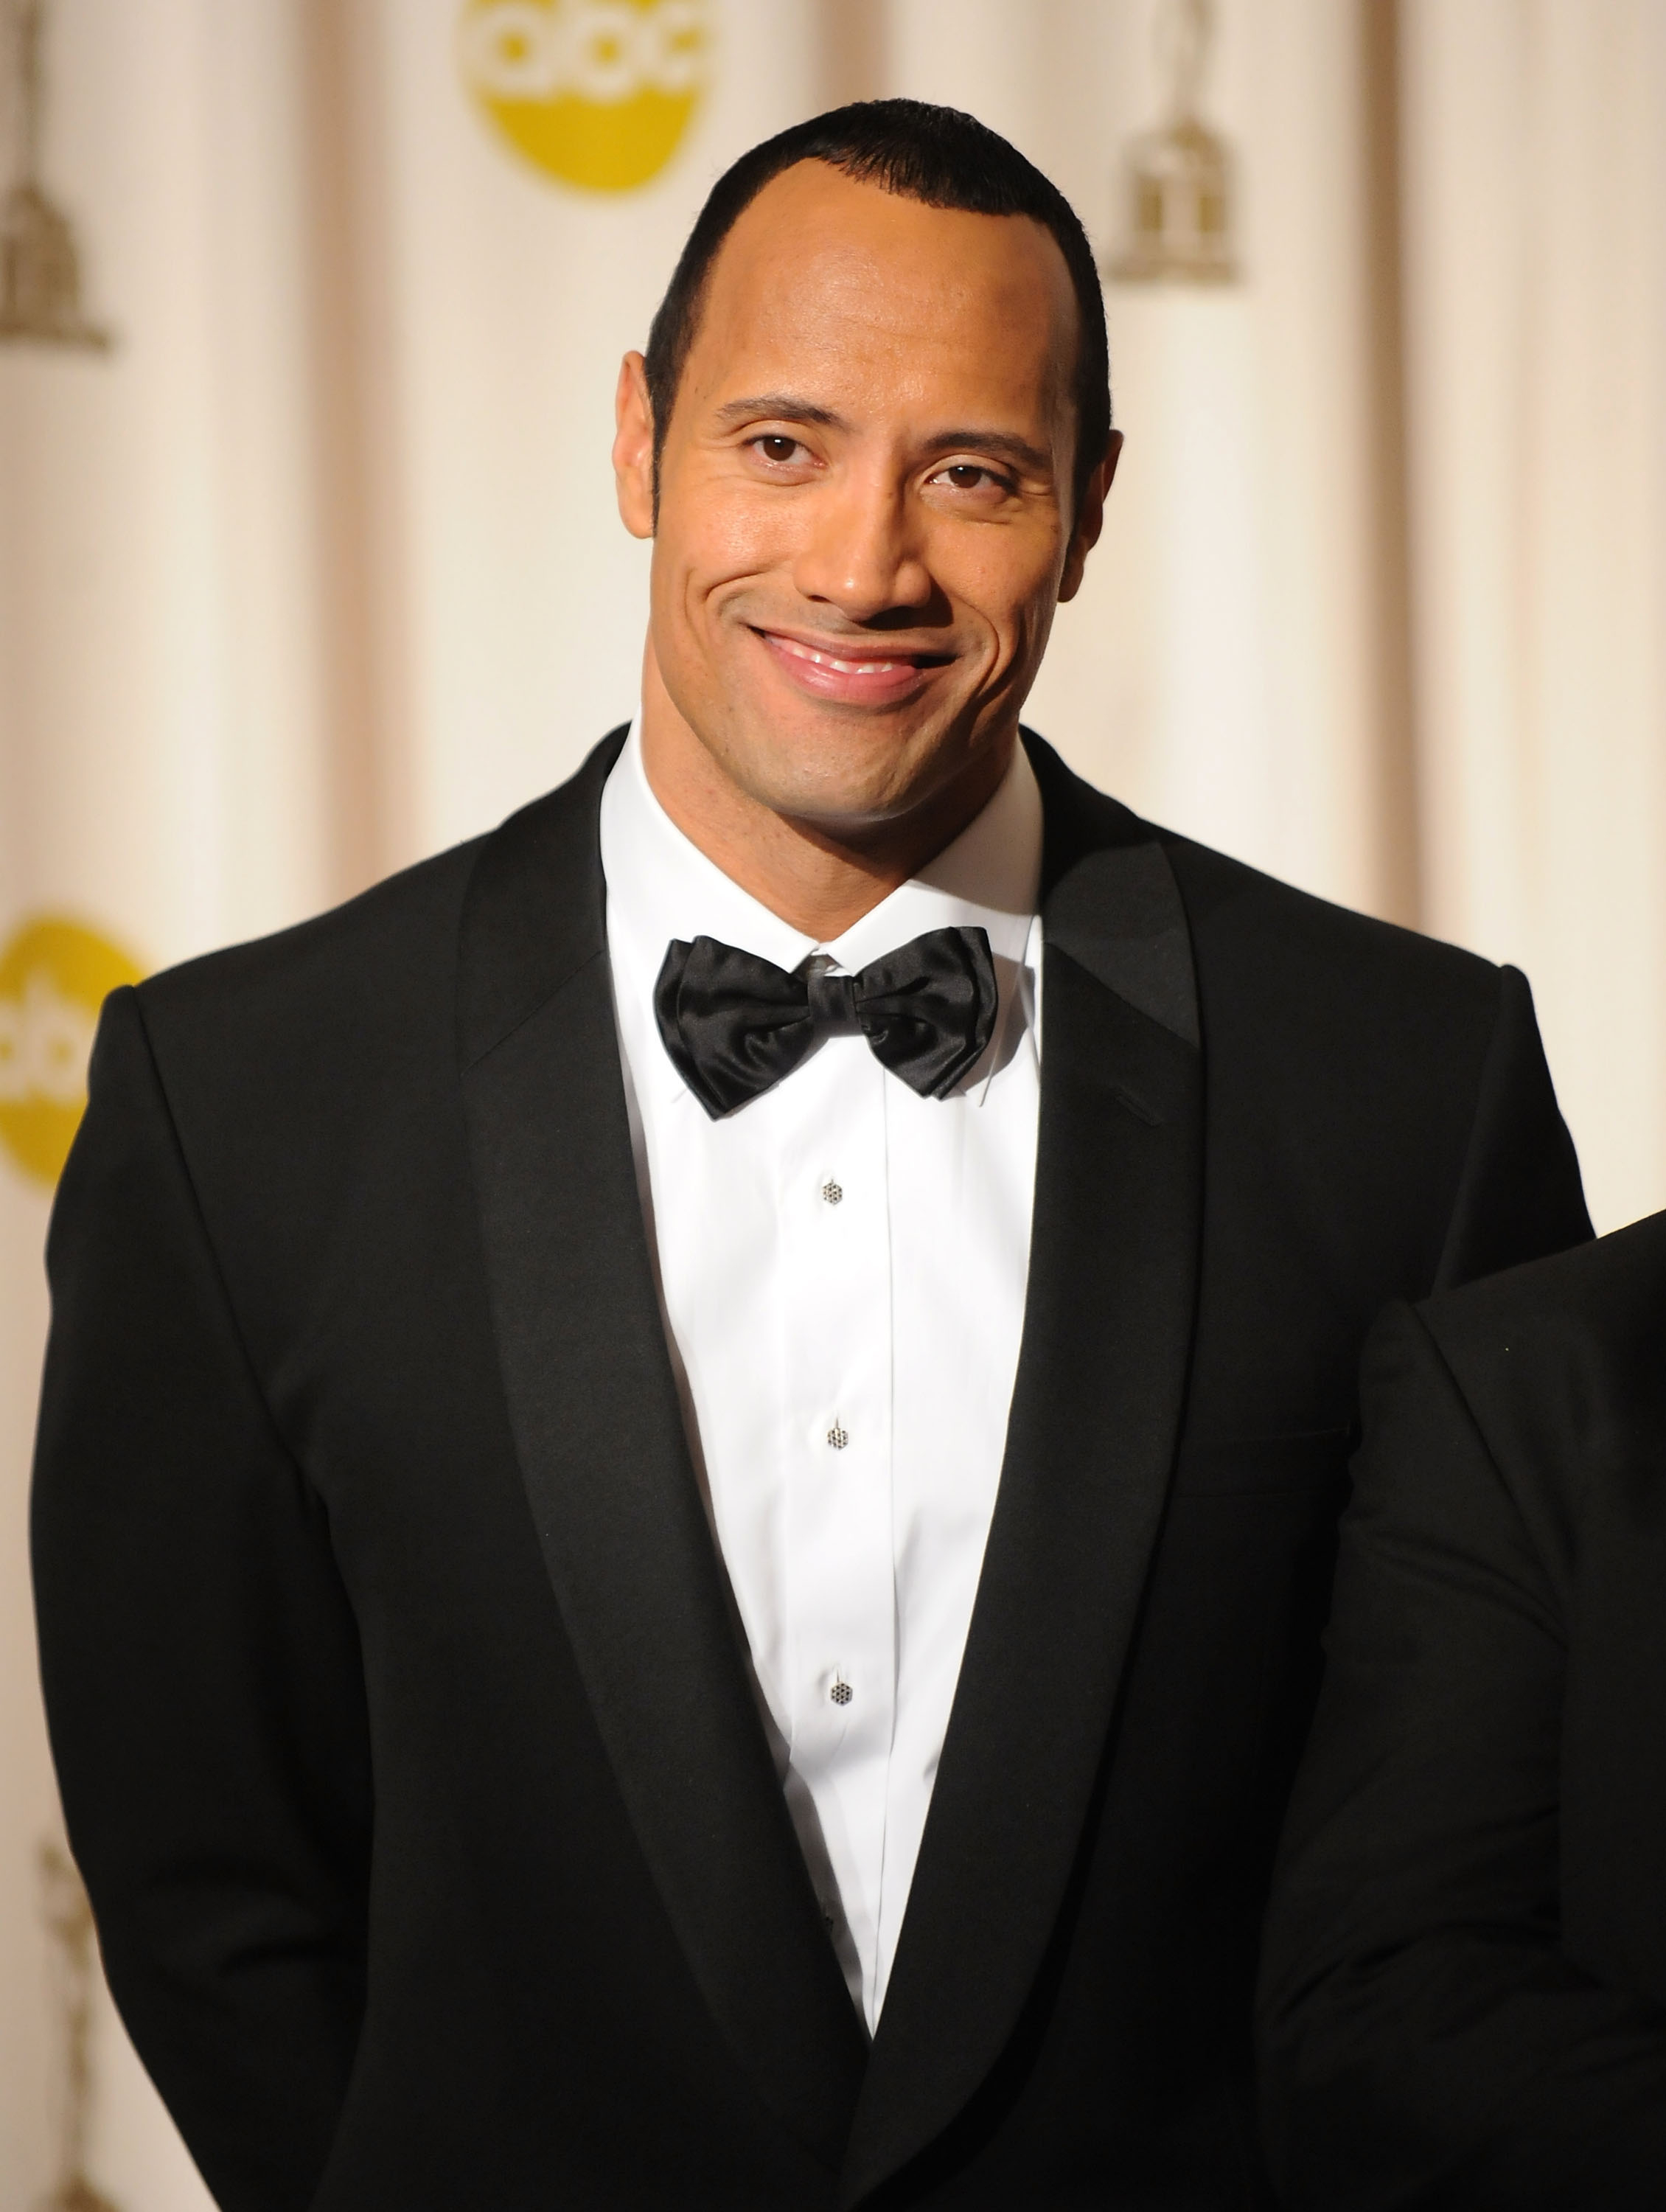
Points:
x=824, y=281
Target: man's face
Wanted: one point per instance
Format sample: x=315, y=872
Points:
x=864, y=514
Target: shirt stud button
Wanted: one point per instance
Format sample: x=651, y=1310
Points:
x=841, y=1692
x=839, y=1436
x=831, y=1192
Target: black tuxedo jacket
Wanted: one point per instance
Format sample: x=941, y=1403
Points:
x=1464, y=2002
x=406, y=1747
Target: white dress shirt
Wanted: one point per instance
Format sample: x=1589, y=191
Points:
x=842, y=1268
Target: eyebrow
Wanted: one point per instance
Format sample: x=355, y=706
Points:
x=784, y=406
x=789, y=407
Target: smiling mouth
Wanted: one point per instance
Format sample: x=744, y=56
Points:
x=875, y=673
x=866, y=663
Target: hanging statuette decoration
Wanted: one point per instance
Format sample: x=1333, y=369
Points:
x=39, y=266
x=68, y=1920
x=1180, y=176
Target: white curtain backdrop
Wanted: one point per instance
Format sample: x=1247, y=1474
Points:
x=1216, y=670
x=316, y=569
x=162, y=764
x=1535, y=319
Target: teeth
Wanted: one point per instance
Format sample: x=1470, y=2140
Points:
x=843, y=667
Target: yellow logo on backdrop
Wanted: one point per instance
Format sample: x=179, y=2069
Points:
x=54, y=975
x=597, y=93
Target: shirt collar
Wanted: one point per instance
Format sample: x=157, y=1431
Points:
x=660, y=885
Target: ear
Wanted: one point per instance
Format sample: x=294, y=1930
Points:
x=1090, y=520
x=633, y=447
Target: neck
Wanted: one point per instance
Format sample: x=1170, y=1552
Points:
x=818, y=878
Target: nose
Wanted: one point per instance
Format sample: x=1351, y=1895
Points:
x=863, y=555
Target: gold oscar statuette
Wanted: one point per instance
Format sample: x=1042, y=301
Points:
x=69, y=1919
x=40, y=263
x=1179, y=177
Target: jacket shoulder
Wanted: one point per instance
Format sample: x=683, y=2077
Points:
x=289, y=1062
x=1262, y=944
x=1292, y=937
x=379, y=975
x=355, y=960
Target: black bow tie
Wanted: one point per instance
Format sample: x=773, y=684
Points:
x=735, y=1024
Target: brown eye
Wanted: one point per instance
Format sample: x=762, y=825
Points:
x=964, y=477
x=775, y=447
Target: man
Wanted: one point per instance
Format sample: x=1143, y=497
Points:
x=689, y=1456
x=1465, y=1999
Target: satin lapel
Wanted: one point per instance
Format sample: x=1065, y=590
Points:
x=1091, y=1439
x=594, y=1412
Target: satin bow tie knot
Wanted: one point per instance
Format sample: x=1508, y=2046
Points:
x=831, y=997
x=735, y=1024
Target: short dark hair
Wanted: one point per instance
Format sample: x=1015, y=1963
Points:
x=937, y=155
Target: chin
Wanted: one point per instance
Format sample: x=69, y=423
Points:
x=835, y=772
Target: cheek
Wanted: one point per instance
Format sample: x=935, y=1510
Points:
x=730, y=533
x=1005, y=580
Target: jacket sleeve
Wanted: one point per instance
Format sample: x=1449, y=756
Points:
x=1424, y=2041
x=199, y=1662
x=1519, y=1195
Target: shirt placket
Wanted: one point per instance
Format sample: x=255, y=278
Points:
x=839, y=1548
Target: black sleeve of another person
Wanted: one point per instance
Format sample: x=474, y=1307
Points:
x=1425, y=2041
x=1519, y=1194
x=219, y=1814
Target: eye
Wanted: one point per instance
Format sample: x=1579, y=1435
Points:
x=971, y=475
x=776, y=448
